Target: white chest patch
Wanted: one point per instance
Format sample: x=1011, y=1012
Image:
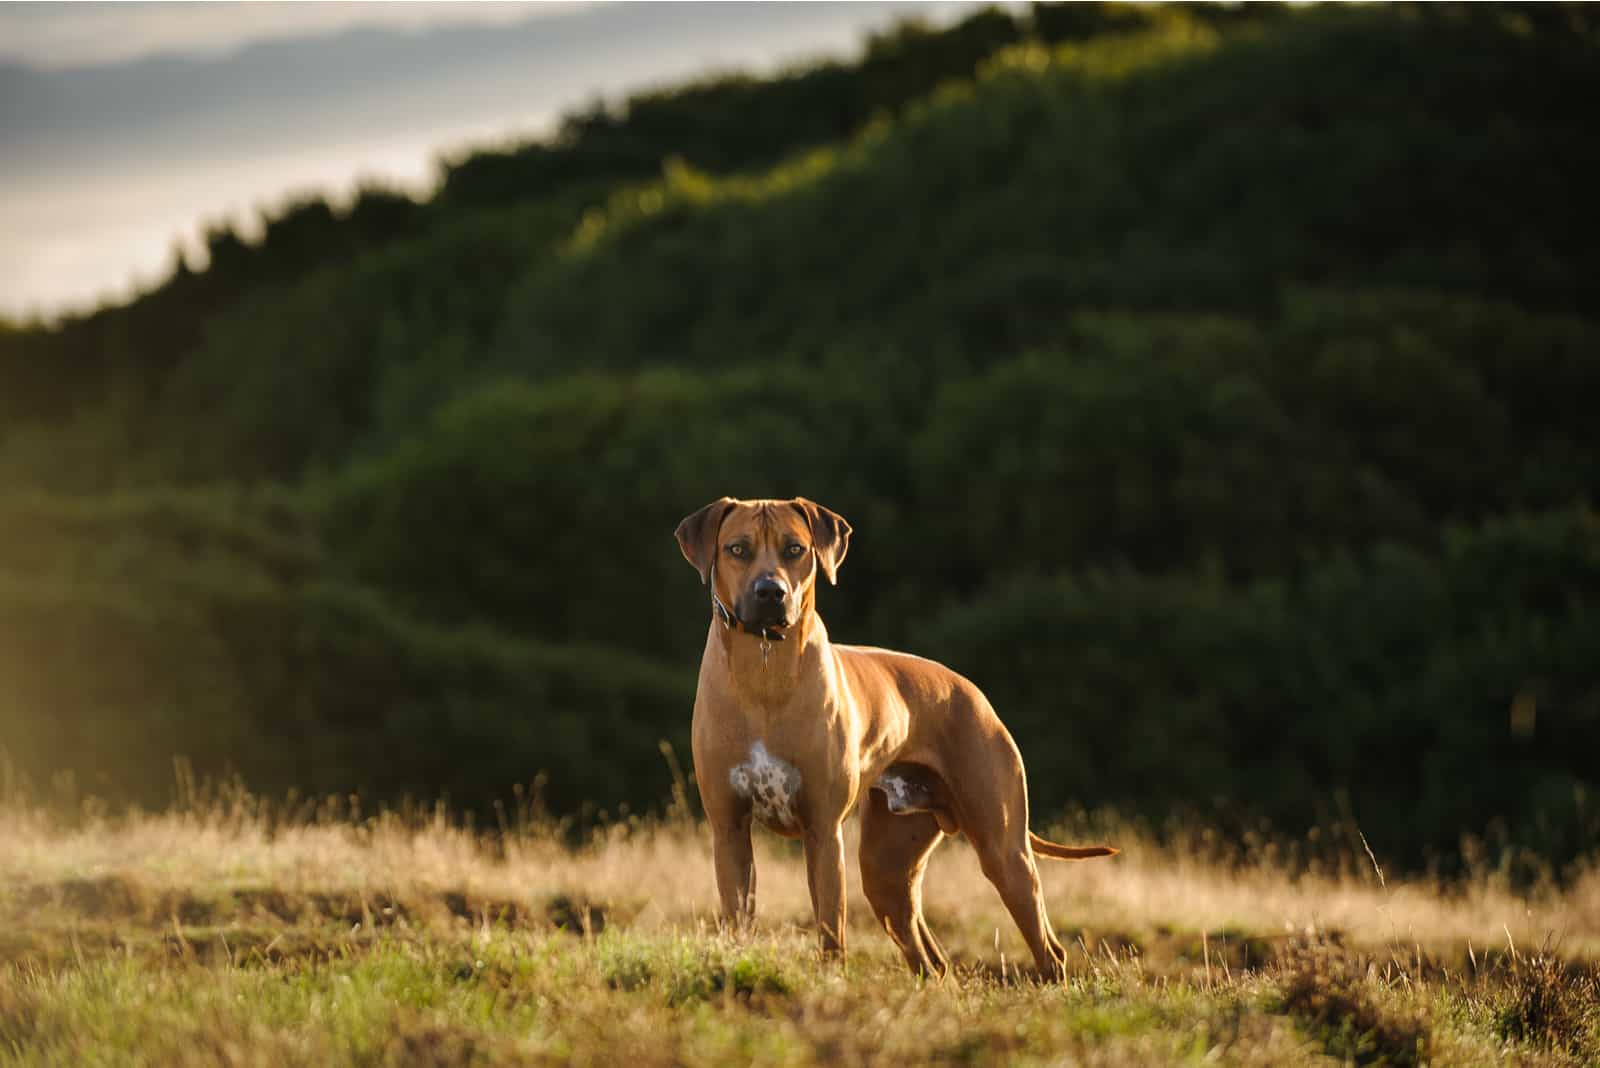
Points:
x=771, y=785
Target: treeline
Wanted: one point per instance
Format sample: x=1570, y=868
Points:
x=147, y=626
x=725, y=125
x=1213, y=386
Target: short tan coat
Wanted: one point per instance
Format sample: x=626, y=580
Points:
x=797, y=733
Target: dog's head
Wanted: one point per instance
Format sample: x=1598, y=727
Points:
x=763, y=556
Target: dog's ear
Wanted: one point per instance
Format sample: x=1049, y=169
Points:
x=697, y=535
x=830, y=535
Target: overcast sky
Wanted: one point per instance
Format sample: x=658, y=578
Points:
x=128, y=126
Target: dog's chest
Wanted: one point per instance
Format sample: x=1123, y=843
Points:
x=770, y=784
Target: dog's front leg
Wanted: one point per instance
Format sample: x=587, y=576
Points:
x=825, y=872
x=736, y=869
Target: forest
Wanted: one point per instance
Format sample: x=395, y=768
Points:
x=1212, y=385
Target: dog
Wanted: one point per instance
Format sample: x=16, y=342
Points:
x=794, y=732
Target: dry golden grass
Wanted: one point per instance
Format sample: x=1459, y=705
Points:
x=221, y=933
x=660, y=874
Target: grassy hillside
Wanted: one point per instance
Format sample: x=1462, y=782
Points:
x=1212, y=387
x=228, y=934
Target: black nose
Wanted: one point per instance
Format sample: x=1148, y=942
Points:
x=767, y=591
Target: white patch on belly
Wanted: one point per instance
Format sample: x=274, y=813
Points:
x=772, y=786
x=903, y=795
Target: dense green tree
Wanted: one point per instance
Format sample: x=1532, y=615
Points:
x=1213, y=385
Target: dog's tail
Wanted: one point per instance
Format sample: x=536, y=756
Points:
x=1062, y=852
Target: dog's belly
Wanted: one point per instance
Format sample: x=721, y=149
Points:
x=772, y=786
x=905, y=792
x=908, y=788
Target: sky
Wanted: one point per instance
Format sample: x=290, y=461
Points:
x=129, y=128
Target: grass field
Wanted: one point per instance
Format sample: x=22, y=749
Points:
x=221, y=933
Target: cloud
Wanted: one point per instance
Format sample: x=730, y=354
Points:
x=54, y=36
x=113, y=163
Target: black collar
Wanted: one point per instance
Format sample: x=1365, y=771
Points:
x=733, y=622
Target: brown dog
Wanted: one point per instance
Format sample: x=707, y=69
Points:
x=791, y=731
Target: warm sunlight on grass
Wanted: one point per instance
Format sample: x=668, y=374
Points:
x=659, y=876
x=226, y=933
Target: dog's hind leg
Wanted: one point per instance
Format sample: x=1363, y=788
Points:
x=1012, y=871
x=999, y=833
x=989, y=791
x=894, y=854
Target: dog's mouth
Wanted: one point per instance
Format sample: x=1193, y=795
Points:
x=775, y=621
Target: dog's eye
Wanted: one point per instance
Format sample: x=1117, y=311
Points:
x=794, y=549
x=736, y=550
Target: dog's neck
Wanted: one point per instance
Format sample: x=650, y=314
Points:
x=770, y=676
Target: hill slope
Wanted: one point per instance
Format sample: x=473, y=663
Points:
x=1211, y=388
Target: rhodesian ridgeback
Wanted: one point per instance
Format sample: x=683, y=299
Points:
x=792, y=731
